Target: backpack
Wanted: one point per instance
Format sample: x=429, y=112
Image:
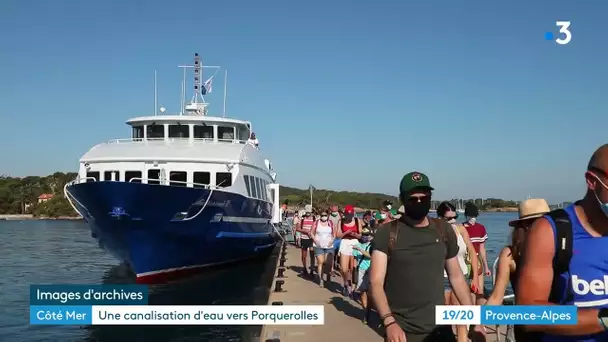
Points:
x=563, y=254
x=394, y=233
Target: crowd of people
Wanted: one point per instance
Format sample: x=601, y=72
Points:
x=402, y=263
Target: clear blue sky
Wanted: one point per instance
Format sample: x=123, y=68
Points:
x=343, y=94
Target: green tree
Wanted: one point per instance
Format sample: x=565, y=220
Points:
x=18, y=193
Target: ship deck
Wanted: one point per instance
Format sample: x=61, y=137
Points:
x=342, y=315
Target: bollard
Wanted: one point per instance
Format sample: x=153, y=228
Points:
x=282, y=262
x=278, y=285
x=277, y=303
x=280, y=272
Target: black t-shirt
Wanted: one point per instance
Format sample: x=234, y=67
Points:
x=414, y=277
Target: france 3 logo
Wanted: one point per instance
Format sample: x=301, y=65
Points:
x=564, y=35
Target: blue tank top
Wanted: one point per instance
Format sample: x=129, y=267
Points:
x=588, y=276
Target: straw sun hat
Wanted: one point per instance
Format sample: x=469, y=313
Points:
x=531, y=208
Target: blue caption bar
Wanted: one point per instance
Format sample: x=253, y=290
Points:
x=529, y=314
x=61, y=315
x=88, y=295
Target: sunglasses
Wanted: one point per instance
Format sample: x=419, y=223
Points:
x=447, y=218
x=415, y=199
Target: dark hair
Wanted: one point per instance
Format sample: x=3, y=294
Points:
x=444, y=207
x=518, y=238
x=471, y=210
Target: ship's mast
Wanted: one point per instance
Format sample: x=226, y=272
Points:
x=196, y=107
x=198, y=75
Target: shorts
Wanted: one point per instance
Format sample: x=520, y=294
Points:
x=305, y=243
x=346, y=246
x=363, y=280
x=323, y=251
x=441, y=333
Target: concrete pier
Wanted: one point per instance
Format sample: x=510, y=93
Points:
x=342, y=315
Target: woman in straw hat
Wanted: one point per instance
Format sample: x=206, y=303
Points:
x=529, y=211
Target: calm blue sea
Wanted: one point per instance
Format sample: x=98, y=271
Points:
x=60, y=252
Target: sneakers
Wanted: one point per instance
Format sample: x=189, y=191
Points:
x=366, y=316
x=346, y=291
x=321, y=282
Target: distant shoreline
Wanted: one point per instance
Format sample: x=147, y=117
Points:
x=502, y=210
x=21, y=217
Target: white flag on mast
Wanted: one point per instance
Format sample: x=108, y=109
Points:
x=208, y=85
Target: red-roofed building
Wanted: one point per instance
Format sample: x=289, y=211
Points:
x=45, y=197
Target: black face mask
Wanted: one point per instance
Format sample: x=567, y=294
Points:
x=417, y=210
x=348, y=217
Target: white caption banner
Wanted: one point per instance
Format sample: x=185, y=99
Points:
x=208, y=315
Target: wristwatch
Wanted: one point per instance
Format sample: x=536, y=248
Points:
x=602, y=315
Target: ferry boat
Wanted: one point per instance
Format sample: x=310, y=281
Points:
x=186, y=191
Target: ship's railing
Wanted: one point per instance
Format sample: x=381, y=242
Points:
x=195, y=140
x=140, y=180
x=82, y=180
x=198, y=185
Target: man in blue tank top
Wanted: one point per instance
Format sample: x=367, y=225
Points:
x=584, y=280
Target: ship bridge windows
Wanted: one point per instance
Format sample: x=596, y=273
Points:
x=223, y=179
x=133, y=176
x=203, y=132
x=248, y=185
x=155, y=131
x=107, y=176
x=178, y=178
x=253, y=190
x=154, y=176
x=225, y=132
x=256, y=187
x=243, y=133
x=92, y=174
x=201, y=179
x=138, y=132
x=263, y=184
x=179, y=131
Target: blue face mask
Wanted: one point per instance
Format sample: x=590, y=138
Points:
x=603, y=206
x=365, y=239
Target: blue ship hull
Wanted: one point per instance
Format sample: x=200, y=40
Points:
x=167, y=231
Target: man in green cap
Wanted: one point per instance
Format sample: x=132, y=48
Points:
x=408, y=259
